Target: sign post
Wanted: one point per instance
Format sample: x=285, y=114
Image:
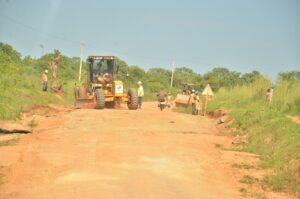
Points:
x=208, y=95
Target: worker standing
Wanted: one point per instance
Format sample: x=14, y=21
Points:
x=193, y=100
x=269, y=95
x=140, y=94
x=198, y=104
x=44, y=81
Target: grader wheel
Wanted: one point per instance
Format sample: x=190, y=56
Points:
x=132, y=99
x=100, y=99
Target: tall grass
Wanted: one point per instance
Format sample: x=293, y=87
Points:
x=270, y=133
x=287, y=97
x=19, y=92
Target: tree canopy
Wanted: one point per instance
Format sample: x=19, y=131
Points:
x=153, y=79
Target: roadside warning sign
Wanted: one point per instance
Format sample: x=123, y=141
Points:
x=207, y=91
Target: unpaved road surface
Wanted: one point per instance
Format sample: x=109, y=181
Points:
x=120, y=154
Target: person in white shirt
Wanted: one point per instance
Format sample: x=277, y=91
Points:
x=140, y=94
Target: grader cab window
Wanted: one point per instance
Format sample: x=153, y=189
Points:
x=100, y=67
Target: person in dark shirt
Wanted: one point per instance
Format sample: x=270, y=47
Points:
x=161, y=95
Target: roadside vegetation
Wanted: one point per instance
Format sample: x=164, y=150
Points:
x=267, y=129
x=20, y=80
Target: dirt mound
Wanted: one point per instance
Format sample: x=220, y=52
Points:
x=47, y=111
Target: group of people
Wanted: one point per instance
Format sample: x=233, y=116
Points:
x=44, y=83
x=161, y=94
x=44, y=77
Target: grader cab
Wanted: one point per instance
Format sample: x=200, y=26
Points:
x=102, y=88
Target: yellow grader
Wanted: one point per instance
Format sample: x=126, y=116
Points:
x=102, y=88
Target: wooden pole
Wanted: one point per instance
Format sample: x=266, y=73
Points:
x=81, y=57
x=173, y=64
x=205, y=105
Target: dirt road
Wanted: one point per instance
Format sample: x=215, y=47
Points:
x=120, y=154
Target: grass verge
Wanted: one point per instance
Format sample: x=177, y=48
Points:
x=270, y=133
x=24, y=94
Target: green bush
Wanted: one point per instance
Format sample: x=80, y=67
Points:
x=270, y=133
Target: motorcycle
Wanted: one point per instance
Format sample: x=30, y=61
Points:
x=162, y=104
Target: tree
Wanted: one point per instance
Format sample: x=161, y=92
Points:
x=221, y=77
x=249, y=78
x=289, y=76
x=123, y=69
x=8, y=50
x=157, y=78
x=185, y=75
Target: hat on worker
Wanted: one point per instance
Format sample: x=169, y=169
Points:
x=139, y=83
x=46, y=71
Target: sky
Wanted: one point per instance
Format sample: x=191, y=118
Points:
x=241, y=35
